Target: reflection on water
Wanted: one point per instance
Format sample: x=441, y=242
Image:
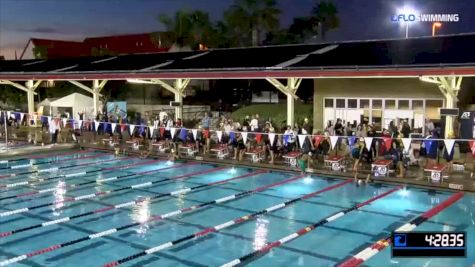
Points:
x=141, y=214
x=260, y=234
x=59, y=194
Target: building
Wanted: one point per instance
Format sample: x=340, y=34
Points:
x=97, y=46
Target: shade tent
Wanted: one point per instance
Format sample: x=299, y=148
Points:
x=78, y=102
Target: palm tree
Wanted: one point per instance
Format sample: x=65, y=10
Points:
x=325, y=14
x=249, y=19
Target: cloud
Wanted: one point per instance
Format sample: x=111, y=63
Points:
x=44, y=30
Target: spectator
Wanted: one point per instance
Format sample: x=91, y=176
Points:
x=406, y=129
x=254, y=123
x=306, y=128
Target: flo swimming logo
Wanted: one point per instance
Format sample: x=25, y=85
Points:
x=425, y=18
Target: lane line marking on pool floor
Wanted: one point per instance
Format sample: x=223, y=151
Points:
x=250, y=256
x=381, y=244
x=153, y=218
x=45, y=162
x=45, y=156
x=77, y=198
x=224, y=225
x=40, y=180
x=79, y=185
x=59, y=168
x=111, y=207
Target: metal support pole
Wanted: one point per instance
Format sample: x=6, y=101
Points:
x=290, y=110
x=6, y=129
x=95, y=96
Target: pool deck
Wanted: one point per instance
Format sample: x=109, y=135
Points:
x=458, y=180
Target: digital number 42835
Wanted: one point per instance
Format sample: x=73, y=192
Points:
x=445, y=240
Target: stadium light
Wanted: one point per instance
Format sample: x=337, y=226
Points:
x=435, y=25
x=408, y=13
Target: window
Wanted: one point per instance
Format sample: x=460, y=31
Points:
x=417, y=104
x=403, y=104
x=377, y=103
x=329, y=102
x=432, y=109
x=352, y=103
x=364, y=103
x=390, y=104
x=340, y=103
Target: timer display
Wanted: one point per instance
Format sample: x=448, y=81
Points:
x=428, y=244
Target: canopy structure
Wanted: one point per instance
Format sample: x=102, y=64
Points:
x=423, y=57
x=78, y=103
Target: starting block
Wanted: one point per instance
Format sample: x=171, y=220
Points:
x=187, y=150
x=435, y=171
x=256, y=155
x=161, y=146
x=335, y=163
x=221, y=151
x=381, y=167
x=291, y=158
x=133, y=144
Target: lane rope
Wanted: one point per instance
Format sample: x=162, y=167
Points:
x=222, y=226
x=381, y=244
x=305, y=230
x=153, y=218
x=43, y=156
x=79, y=185
x=40, y=180
x=111, y=207
x=83, y=197
x=45, y=162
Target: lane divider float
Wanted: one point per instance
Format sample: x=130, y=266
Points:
x=43, y=156
x=44, y=162
x=305, y=230
x=223, y=225
x=112, y=207
x=381, y=244
x=153, y=218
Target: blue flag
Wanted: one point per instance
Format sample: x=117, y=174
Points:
x=428, y=145
x=352, y=141
x=183, y=133
x=232, y=136
x=286, y=139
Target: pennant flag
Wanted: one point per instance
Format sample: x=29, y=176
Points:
x=352, y=140
x=220, y=134
x=113, y=125
x=8, y=114
x=449, y=145
x=232, y=136
x=407, y=144
x=183, y=134
x=258, y=137
x=195, y=133
x=472, y=146
x=162, y=131
x=65, y=121
x=368, y=141
x=96, y=125
x=49, y=119
x=271, y=138
x=22, y=115
x=132, y=128
x=141, y=130
x=317, y=140
x=428, y=144
x=286, y=139
x=387, y=142
x=333, y=140
x=244, y=136
x=172, y=132
x=80, y=124
x=152, y=129
x=301, y=139
x=122, y=128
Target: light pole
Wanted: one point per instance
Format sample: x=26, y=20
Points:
x=435, y=25
x=407, y=30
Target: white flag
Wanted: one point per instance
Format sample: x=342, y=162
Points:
x=49, y=119
x=172, y=131
x=449, y=145
x=368, y=141
x=8, y=114
x=113, y=125
x=220, y=134
x=301, y=139
x=271, y=138
x=152, y=129
x=195, y=133
x=80, y=124
x=22, y=115
x=64, y=122
x=132, y=128
x=407, y=144
x=333, y=140
x=244, y=137
x=96, y=125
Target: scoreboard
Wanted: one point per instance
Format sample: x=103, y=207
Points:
x=428, y=244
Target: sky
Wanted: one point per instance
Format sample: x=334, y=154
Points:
x=21, y=20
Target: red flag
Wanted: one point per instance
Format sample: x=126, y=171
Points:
x=258, y=138
x=387, y=142
x=122, y=127
x=317, y=139
x=162, y=131
x=472, y=146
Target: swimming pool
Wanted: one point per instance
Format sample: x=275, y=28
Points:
x=89, y=209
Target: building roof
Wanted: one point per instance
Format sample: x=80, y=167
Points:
x=442, y=55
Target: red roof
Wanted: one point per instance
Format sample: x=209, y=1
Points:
x=120, y=44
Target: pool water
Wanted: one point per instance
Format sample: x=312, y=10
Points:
x=325, y=246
